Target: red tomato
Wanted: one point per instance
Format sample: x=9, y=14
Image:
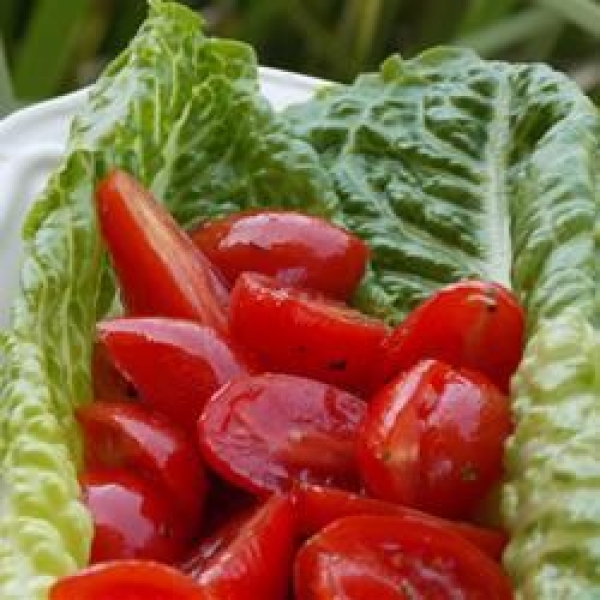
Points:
x=394, y=558
x=127, y=580
x=160, y=270
x=434, y=438
x=257, y=563
x=474, y=325
x=127, y=436
x=131, y=518
x=317, y=507
x=175, y=365
x=262, y=433
x=107, y=382
x=296, y=249
x=302, y=333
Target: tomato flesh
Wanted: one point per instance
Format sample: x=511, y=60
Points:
x=317, y=507
x=434, y=439
x=131, y=518
x=175, y=365
x=473, y=325
x=296, y=249
x=394, y=558
x=160, y=270
x=126, y=580
x=129, y=437
x=300, y=332
x=257, y=562
x=263, y=433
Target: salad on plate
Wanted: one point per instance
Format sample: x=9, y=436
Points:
x=343, y=350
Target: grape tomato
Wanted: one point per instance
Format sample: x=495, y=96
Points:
x=296, y=249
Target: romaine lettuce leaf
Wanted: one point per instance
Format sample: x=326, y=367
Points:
x=183, y=113
x=552, y=503
x=451, y=167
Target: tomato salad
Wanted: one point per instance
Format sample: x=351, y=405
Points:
x=252, y=436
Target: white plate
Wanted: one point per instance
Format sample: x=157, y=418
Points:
x=32, y=142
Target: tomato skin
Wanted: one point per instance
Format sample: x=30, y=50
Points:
x=160, y=270
x=126, y=580
x=257, y=563
x=175, y=365
x=132, y=520
x=264, y=432
x=473, y=325
x=296, y=249
x=303, y=333
x=394, y=558
x=434, y=439
x=317, y=507
x=129, y=437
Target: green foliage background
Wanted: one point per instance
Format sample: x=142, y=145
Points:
x=52, y=46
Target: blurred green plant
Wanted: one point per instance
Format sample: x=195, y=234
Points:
x=52, y=46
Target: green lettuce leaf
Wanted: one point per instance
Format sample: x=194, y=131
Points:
x=454, y=167
x=183, y=113
x=552, y=503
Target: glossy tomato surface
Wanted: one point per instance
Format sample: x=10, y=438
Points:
x=132, y=519
x=394, y=558
x=257, y=562
x=175, y=365
x=127, y=580
x=303, y=333
x=160, y=270
x=474, y=325
x=317, y=507
x=129, y=437
x=434, y=439
x=296, y=249
x=263, y=433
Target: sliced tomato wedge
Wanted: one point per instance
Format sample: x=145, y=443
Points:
x=263, y=433
x=295, y=249
x=132, y=519
x=303, y=333
x=434, y=439
x=394, y=558
x=317, y=507
x=175, y=365
x=475, y=325
x=160, y=270
x=127, y=580
x=129, y=437
x=257, y=562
